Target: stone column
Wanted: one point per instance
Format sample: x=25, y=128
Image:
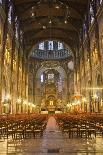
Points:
x=4, y=38
x=12, y=58
x=89, y=53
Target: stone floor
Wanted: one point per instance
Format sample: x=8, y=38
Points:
x=52, y=143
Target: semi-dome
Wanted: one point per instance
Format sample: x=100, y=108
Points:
x=51, y=50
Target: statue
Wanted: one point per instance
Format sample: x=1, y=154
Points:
x=51, y=103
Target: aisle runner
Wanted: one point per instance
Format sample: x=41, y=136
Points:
x=52, y=137
x=51, y=125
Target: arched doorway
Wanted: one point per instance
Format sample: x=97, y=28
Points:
x=52, y=81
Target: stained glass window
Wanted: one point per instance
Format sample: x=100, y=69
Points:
x=41, y=46
x=84, y=30
x=42, y=78
x=101, y=1
x=91, y=14
x=9, y=15
x=60, y=46
x=50, y=45
x=16, y=27
x=1, y=2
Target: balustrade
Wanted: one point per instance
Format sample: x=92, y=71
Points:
x=60, y=54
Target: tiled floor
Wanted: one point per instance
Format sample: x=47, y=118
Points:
x=52, y=143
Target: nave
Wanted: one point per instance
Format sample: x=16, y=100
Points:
x=53, y=141
x=51, y=77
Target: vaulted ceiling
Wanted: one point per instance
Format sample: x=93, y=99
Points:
x=50, y=19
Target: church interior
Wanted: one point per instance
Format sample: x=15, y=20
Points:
x=51, y=77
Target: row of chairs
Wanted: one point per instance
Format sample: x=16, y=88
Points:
x=80, y=125
x=79, y=130
x=24, y=127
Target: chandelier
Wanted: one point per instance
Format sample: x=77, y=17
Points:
x=51, y=19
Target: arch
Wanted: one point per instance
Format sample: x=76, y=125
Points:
x=59, y=69
x=54, y=39
x=51, y=98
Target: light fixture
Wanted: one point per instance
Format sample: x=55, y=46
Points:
x=68, y=105
x=95, y=96
x=78, y=102
x=50, y=21
x=25, y=102
x=19, y=100
x=32, y=14
x=33, y=105
x=5, y=105
x=84, y=99
x=65, y=21
x=44, y=27
x=29, y=103
x=57, y=7
x=8, y=97
x=38, y=3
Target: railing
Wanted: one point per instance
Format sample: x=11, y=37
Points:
x=60, y=54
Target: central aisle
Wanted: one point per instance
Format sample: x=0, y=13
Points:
x=51, y=125
x=52, y=138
